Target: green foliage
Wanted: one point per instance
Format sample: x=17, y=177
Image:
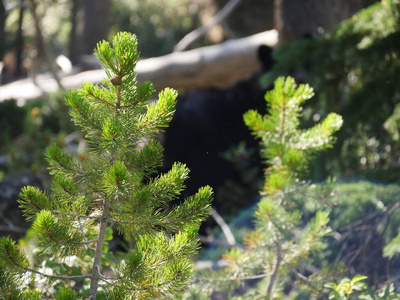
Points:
x=286, y=148
x=346, y=287
x=114, y=187
x=280, y=243
x=11, y=256
x=355, y=70
x=32, y=126
x=364, y=220
x=66, y=294
x=356, y=289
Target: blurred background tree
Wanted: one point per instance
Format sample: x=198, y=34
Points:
x=355, y=70
x=90, y=23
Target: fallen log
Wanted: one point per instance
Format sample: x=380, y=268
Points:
x=217, y=65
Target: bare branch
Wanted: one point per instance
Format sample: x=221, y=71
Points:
x=224, y=227
x=258, y=276
x=84, y=236
x=209, y=239
x=197, y=33
x=41, y=45
x=70, y=277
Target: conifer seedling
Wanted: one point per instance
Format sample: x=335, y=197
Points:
x=279, y=242
x=115, y=186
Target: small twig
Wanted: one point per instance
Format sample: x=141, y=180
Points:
x=197, y=33
x=389, y=215
x=68, y=277
x=224, y=227
x=209, y=239
x=258, y=276
x=305, y=279
x=301, y=276
x=96, y=275
x=84, y=236
x=77, y=215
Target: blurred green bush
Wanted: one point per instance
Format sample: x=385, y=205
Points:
x=28, y=130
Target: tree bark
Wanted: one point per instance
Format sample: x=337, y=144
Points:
x=19, y=43
x=96, y=268
x=2, y=31
x=97, y=23
x=276, y=269
x=42, y=47
x=76, y=33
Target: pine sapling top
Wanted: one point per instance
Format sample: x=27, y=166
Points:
x=279, y=242
x=115, y=186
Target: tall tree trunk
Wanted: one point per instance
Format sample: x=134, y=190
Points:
x=90, y=23
x=19, y=43
x=76, y=34
x=2, y=29
x=97, y=23
x=41, y=46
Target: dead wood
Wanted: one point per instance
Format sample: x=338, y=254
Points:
x=212, y=66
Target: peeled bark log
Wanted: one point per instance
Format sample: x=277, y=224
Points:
x=217, y=65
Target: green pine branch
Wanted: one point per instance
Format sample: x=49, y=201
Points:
x=285, y=147
x=115, y=185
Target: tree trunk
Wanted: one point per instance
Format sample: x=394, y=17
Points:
x=76, y=34
x=19, y=43
x=96, y=268
x=2, y=31
x=97, y=23
x=90, y=23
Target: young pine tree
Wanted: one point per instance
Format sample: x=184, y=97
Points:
x=276, y=244
x=113, y=187
x=279, y=243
